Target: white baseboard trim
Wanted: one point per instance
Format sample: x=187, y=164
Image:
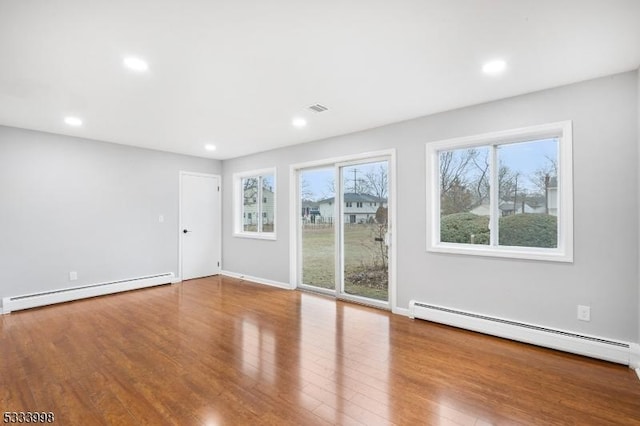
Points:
x=257, y=280
x=176, y=280
x=401, y=311
x=567, y=341
x=16, y=303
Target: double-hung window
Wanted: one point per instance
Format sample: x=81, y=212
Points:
x=255, y=204
x=504, y=194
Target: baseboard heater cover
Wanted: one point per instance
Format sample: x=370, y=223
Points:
x=591, y=346
x=16, y=303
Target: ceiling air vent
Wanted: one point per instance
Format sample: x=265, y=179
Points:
x=318, y=108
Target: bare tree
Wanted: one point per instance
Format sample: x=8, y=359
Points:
x=507, y=183
x=515, y=191
x=464, y=179
x=330, y=189
x=305, y=190
x=481, y=185
x=250, y=190
x=465, y=168
x=355, y=184
x=250, y=183
x=541, y=176
x=377, y=182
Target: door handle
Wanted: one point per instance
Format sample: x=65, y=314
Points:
x=379, y=239
x=184, y=231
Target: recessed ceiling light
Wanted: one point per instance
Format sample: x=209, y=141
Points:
x=299, y=122
x=73, y=121
x=135, y=64
x=210, y=147
x=494, y=67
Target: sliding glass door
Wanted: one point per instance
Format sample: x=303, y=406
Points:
x=317, y=228
x=364, y=230
x=343, y=230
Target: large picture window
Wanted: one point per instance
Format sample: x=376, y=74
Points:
x=255, y=194
x=506, y=194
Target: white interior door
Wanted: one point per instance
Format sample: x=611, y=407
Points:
x=200, y=239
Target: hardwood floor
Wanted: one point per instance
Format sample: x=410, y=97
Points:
x=222, y=351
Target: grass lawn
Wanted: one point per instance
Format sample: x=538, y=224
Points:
x=361, y=253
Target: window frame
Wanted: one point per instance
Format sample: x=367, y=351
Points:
x=564, y=252
x=239, y=207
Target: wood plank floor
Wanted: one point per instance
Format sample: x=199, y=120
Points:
x=222, y=351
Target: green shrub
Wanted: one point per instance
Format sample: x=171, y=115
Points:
x=529, y=230
x=520, y=230
x=459, y=227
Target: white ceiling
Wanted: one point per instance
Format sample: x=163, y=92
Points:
x=235, y=73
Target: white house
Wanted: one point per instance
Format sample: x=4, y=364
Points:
x=310, y=210
x=508, y=207
x=358, y=208
x=252, y=209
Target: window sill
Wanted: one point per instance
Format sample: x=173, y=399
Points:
x=256, y=236
x=504, y=252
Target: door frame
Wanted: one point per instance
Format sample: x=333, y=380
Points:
x=218, y=214
x=340, y=229
x=295, y=236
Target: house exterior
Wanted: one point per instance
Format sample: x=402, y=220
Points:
x=358, y=208
x=507, y=208
x=310, y=211
x=250, y=211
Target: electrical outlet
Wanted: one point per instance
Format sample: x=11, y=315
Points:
x=584, y=313
x=73, y=275
x=161, y=218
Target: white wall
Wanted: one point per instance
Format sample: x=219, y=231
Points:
x=604, y=274
x=71, y=204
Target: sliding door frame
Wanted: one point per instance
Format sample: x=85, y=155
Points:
x=298, y=224
x=295, y=234
x=340, y=234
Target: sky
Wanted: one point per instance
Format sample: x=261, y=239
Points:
x=528, y=157
x=319, y=182
x=524, y=157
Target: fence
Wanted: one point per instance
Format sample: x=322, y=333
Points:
x=317, y=222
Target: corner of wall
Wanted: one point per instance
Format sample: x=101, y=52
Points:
x=634, y=357
x=258, y=280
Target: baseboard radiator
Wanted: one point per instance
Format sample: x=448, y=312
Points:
x=590, y=346
x=16, y=303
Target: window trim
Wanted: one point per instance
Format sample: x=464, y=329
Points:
x=561, y=130
x=238, y=230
